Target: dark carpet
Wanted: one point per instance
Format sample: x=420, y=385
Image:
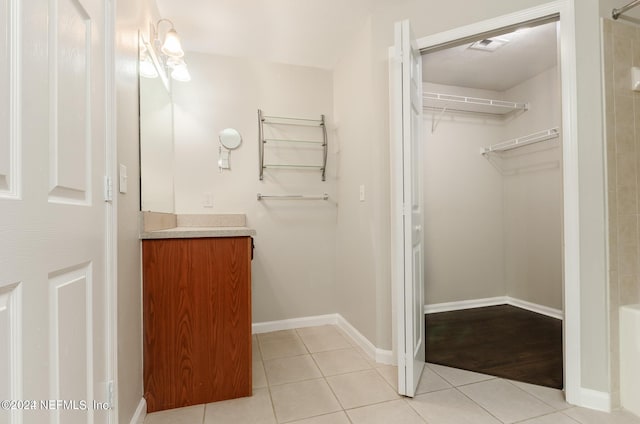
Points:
x=503, y=341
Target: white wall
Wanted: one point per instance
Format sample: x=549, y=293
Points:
x=130, y=17
x=463, y=204
x=493, y=225
x=294, y=264
x=532, y=187
x=356, y=228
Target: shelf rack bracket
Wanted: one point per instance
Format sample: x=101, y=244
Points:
x=436, y=120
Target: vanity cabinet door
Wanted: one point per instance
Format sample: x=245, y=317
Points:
x=197, y=320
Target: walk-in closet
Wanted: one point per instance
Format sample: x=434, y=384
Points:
x=493, y=204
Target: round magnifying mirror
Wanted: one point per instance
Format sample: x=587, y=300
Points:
x=230, y=138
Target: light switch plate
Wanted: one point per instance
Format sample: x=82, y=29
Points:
x=362, y=192
x=123, y=179
x=635, y=78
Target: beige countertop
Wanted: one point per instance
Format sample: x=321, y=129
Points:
x=169, y=226
x=198, y=232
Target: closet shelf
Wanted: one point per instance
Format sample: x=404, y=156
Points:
x=522, y=141
x=453, y=103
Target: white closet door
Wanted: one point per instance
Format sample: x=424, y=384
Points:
x=53, y=298
x=410, y=316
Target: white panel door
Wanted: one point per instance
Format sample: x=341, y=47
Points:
x=408, y=225
x=53, y=226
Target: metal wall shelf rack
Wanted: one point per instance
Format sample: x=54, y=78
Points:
x=265, y=139
x=537, y=137
x=444, y=103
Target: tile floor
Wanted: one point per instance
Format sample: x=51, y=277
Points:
x=317, y=375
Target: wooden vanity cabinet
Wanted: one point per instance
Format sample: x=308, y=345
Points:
x=197, y=320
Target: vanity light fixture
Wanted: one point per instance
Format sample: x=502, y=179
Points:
x=170, y=48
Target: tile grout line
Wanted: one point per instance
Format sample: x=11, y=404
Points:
x=273, y=407
x=535, y=396
x=476, y=403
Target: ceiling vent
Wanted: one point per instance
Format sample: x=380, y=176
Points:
x=489, y=44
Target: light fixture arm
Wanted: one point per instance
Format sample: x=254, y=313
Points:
x=155, y=29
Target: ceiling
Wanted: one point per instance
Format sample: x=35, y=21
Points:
x=528, y=52
x=299, y=32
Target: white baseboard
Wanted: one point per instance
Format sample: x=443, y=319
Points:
x=493, y=301
x=594, y=399
x=141, y=413
x=289, y=324
x=378, y=355
x=464, y=304
x=382, y=356
x=534, y=307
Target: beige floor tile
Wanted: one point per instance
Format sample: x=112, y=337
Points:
x=335, y=418
x=397, y=412
x=290, y=370
x=277, y=336
x=256, y=409
x=320, y=339
x=555, y=418
x=361, y=388
x=370, y=360
x=306, y=399
x=450, y=407
x=458, y=377
x=390, y=374
x=431, y=382
x=188, y=415
x=282, y=349
x=506, y=401
x=341, y=361
x=259, y=376
x=588, y=416
x=552, y=397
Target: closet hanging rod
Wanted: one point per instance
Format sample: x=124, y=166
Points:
x=323, y=196
x=522, y=141
x=615, y=13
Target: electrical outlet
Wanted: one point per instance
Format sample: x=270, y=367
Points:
x=207, y=199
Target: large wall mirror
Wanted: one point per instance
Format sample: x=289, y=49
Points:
x=156, y=134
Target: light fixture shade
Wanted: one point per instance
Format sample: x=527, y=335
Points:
x=181, y=73
x=171, y=46
x=175, y=62
x=148, y=69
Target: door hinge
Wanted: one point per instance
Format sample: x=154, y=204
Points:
x=108, y=189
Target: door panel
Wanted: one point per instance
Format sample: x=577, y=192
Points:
x=9, y=347
x=52, y=214
x=9, y=141
x=70, y=77
x=408, y=222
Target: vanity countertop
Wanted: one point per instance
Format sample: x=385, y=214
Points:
x=198, y=232
x=170, y=226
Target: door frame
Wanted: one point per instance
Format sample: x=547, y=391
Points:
x=571, y=212
x=111, y=209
